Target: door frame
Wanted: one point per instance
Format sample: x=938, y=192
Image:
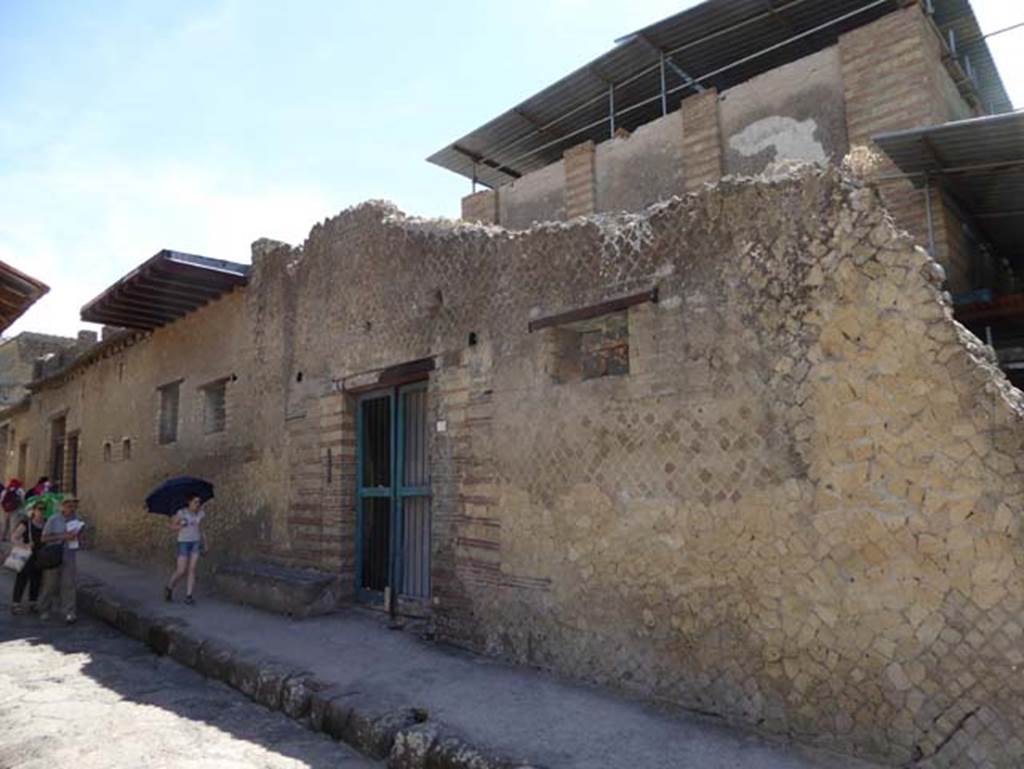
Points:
x=396, y=493
x=362, y=493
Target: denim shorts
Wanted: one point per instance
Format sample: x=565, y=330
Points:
x=187, y=548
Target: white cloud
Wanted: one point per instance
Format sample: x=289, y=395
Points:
x=80, y=228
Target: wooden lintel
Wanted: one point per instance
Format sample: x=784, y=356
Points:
x=594, y=310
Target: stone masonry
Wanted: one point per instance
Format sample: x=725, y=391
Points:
x=894, y=73
x=893, y=81
x=797, y=506
x=756, y=521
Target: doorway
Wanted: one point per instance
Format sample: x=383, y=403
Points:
x=58, y=435
x=393, y=494
x=72, y=463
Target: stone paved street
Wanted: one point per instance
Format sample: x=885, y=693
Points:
x=86, y=696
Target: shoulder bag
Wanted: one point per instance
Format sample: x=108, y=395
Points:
x=50, y=556
x=17, y=558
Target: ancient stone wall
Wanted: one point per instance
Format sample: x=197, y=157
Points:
x=894, y=79
x=787, y=492
x=888, y=75
x=18, y=357
x=798, y=505
x=112, y=405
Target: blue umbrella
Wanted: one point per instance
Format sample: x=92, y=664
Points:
x=170, y=496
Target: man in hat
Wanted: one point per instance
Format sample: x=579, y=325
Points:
x=62, y=527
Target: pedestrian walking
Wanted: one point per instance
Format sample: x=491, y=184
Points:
x=43, y=486
x=28, y=531
x=11, y=500
x=190, y=542
x=62, y=528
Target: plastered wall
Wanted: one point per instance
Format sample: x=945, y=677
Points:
x=795, y=112
x=647, y=166
x=536, y=197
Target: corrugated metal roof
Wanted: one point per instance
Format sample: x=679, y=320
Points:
x=958, y=16
x=18, y=292
x=718, y=43
x=163, y=289
x=981, y=162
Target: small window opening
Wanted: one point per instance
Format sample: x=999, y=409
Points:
x=126, y=449
x=169, y=399
x=592, y=348
x=108, y=451
x=215, y=406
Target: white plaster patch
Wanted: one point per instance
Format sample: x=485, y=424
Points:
x=791, y=139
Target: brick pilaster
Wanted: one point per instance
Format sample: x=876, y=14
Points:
x=580, y=181
x=702, y=140
x=891, y=81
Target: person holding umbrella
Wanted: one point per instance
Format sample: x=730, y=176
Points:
x=182, y=499
x=187, y=523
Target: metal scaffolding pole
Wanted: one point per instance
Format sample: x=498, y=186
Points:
x=611, y=110
x=928, y=211
x=691, y=83
x=664, y=96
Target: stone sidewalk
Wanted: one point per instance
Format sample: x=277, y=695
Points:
x=418, y=704
x=89, y=697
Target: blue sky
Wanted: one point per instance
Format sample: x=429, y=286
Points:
x=127, y=127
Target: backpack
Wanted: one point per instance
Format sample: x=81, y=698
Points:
x=10, y=501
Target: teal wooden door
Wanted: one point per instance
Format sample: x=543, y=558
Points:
x=393, y=494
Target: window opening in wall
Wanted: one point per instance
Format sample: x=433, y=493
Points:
x=6, y=439
x=58, y=435
x=22, y=460
x=126, y=448
x=590, y=342
x=72, y=464
x=215, y=406
x=108, y=451
x=590, y=349
x=169, y=395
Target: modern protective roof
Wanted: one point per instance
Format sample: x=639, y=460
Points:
x=719, y=43
x=163, y=289
x=18, y=292
x=981, y=162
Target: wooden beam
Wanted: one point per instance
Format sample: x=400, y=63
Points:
x=594, y=310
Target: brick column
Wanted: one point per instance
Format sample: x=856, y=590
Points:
x=702, y=140
x=891, y=82
x=481, y=207
x=580, y=182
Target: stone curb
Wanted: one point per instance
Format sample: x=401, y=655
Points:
x=402, y=735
